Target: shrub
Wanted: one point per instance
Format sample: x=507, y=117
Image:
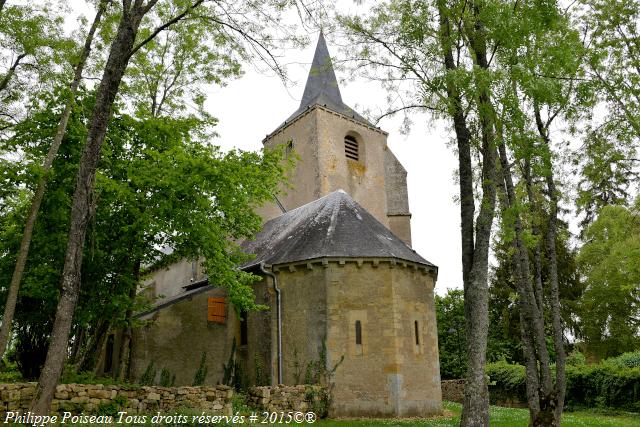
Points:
x=625, y=360
x=605, y=385
x=507, y=382
x=575, y=358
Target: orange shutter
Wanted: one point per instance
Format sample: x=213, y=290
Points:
x=216, y=310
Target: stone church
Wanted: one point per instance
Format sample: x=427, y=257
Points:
x=343, y=286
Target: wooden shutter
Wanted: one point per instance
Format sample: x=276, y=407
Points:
x=216, y=310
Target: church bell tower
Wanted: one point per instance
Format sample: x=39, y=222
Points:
x=337, y=148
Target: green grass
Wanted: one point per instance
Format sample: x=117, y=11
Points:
x=500, y=417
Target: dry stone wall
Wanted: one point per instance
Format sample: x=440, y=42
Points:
x=92, y=398
x=98, y=398
x=283, y=398
x=453, y=390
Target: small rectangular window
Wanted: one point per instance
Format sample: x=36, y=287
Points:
x=216, y=310
x=417, y=333
x=358, y=333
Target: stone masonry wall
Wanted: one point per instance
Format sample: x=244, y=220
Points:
x=286, y=398
x=89, y=398
x=94, y=398
x=452, y=390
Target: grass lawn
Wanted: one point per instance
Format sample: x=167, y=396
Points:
x=500, y=417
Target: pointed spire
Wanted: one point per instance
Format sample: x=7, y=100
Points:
x=322, y=88
x=322, y=84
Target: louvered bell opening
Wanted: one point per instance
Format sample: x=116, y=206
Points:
x=351, y=148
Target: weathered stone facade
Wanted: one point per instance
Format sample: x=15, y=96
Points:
x=356, y=302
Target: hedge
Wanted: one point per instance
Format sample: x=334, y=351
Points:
x=603, y=385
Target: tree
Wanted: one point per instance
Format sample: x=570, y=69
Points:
x=451, y=334
x=23, y=251
x=33, y=50
x=406, y=39
x=243, y=21
x=501, y=72
x=203, y=194
x=609, y=158
x=610, y=308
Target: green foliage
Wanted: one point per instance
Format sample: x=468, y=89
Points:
x=506, y=382
x=35, y=55
x=576, y=358
x=261, y=378
x=166, y=379
x=149, y=375
x=112, y=408
x=158, y=185
x=610, y=308
x=452, y=340
x=603, y=385
x=228, y=369
x=625, y=360
x=201, y=372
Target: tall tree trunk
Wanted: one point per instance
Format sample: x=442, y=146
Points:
x=85, y=362
x=532, y=315
x=476, y=295
x=23, y=252
x=125, y=344
x=101, y=351
x=475, y=242
x=114, y=70
x=551, y=240
x=529, y=351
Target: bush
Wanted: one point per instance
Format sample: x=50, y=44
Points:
x=575, y=358
x=605, y=385
x=625, y=360
x=507, y=382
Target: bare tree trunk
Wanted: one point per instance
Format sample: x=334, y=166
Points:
x=84, y=362
x=100, y=351
x=114, y=70
x=475, y=242
x=125, y=345
x=532, y=315
x=23, y=252
x=558, y=339
x=475, y=407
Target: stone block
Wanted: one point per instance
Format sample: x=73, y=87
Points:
x=62, y=395
x=99, y=394
x=153, y=396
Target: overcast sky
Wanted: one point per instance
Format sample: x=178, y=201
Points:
x=251, y=107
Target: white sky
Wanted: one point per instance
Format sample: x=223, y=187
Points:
x=251, y=107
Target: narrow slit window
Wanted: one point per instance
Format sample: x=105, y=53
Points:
x=351, y=147
x=415, y=324
x=358, y=333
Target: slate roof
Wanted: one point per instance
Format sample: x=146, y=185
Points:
x=322, y=87
x=333, y=226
